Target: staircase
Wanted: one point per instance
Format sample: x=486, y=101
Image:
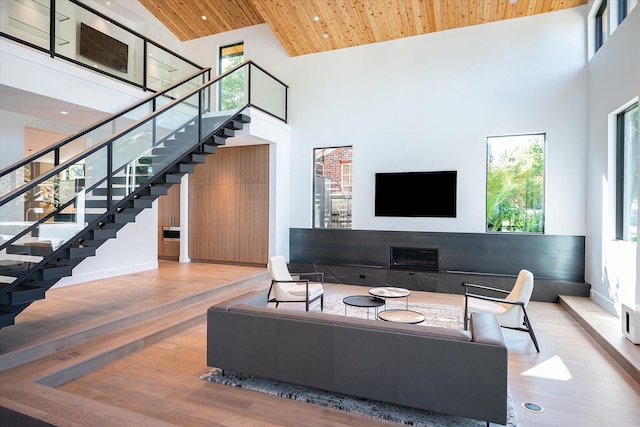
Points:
x=98, y=191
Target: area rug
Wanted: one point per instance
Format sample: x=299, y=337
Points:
x=371, y=408
x=446, y=316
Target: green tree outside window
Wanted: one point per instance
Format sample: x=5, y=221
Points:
x=232, y=86
x=515, y=183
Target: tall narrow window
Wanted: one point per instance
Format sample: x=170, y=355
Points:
x=627, y=175
x=232, y=87
x=625, y=7
x=515, y=183
x=333, y=184
x=602, y=24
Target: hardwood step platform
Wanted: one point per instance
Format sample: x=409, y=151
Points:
x=50, y=329
x=606, y=329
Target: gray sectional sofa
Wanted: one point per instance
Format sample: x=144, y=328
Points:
x=455, y=372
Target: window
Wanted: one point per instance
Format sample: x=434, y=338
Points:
x=333, y=183
x=515, y=183
x=346, y=177
x=605, y=22
x=627, y=175
x=602, y=24
x=625, y=7
x=232, y=87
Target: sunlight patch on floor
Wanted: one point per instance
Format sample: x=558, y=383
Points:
x=552, y=369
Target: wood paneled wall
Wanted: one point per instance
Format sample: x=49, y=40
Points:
x=229, y=206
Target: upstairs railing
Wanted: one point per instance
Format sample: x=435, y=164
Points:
x=69, y=30
x=29, y=168
x=80, y=192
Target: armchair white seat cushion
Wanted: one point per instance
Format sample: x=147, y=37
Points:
x=287, y=289
x=300, y=291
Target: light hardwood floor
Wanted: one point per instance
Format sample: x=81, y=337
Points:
x=144, y=368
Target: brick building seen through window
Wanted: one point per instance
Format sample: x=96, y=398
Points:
x=333, y=187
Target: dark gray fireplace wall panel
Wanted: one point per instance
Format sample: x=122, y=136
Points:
x=549, y=257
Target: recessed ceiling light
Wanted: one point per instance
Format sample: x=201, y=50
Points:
x=204, y=18
x=325, y=36
x=63, y=112
x=316, y=18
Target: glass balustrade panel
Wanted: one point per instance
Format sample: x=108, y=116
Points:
x=180, y=91
x=29, y=21
x=268, y=93
x=164, y=69
x=223, y=99
x=99, y=43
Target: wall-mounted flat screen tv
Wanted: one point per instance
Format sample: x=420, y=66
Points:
x=103, y=49
x=416, y=194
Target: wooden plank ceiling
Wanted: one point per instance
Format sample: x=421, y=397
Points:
x=311, y=26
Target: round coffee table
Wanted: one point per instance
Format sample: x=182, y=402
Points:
x=391, y=292
x=401, y=316
x=364, y=301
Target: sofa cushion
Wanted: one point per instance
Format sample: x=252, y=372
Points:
x=364, y=324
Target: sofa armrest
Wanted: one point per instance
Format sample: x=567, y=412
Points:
x=485, y=329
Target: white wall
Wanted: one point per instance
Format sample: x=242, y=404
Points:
x=135, y=249
x=614, y=82
x=429, y=103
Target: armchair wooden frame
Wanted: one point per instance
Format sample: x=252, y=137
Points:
x=526, y=325
x=319, y=275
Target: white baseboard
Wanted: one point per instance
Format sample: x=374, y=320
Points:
x=104, y=274
x=605, y=303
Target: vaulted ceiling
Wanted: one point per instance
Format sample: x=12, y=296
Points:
x=311, y=26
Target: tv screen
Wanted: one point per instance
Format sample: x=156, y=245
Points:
x=103, y=49
x=416, y=194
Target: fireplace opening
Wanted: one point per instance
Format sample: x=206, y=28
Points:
x=425, y=259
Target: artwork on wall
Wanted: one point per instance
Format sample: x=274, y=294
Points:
x=103, y=49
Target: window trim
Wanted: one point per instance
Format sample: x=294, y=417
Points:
x=220, y=60
x=599, y=33
x=544, y=182
x=314, y=218
x=620, y=171
x=220, y=55
x=342, y=175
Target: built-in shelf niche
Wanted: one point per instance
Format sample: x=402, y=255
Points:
x=42, y=8
x=35, y=31
x=163, y=65
x=32, y=28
